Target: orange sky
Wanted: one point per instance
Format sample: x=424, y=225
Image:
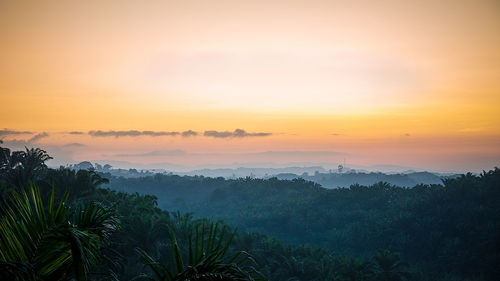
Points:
x=410, y=83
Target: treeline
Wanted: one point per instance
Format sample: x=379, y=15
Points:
x=445, y=232
x=346, y=179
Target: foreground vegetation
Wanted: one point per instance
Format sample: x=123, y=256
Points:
x=444, y=232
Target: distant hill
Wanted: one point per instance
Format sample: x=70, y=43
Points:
x=316, y=174
x=243, y=172
x=334, y=180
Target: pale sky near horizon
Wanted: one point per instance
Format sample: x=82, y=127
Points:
x=410, y=83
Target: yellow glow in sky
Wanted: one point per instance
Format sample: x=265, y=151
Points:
x=412, y=83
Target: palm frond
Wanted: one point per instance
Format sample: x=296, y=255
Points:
x=42, y=241
x=206, y=253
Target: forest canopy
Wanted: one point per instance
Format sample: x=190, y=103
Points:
x=168, y=227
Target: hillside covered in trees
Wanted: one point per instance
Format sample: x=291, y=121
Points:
x=328, y=179
x=64, y=224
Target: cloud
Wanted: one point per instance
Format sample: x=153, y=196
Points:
x=406, y=135
x=131, y=133
x=6, y=132
x=175, y=152
x=189, y=133
x=37, y=137
x=74, y=144
x=157, y=134
x=336, y=134
x=76, y=133
x=238, y=133
x=216, y=134
x=16, y=144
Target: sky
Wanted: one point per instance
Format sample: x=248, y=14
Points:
x=408, y=83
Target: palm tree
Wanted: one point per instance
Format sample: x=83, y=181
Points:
x=389, y=267
x=146, y=231
x=206, y=259
x=30, y=163
x=350, y=269
x=8, y=160
x=33, y=159
x=21, y=167
x=39, y=242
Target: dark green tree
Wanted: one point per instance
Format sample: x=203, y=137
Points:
x=389, y=267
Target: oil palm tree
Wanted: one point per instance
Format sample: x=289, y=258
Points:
x=39, y=242
x=8, y=160
x=389, y=267
x=79, y=183
x=350, y=269
x=205, y=259
x=20, y=167
x=33, y=159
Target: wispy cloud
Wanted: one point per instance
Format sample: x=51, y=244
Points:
x=238, y=133
x=7, y=132
x=74, y=144
x=189, y=133
x=217, y=134
x=37, y=137
x=19, y=144
x=131, y=133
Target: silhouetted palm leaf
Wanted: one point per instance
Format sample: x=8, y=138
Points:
x=206, y=258
x=48, y=242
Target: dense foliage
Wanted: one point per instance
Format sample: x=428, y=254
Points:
x=444, y=232
x=451, y=229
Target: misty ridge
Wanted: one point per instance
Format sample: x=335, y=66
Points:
x=342, y=177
